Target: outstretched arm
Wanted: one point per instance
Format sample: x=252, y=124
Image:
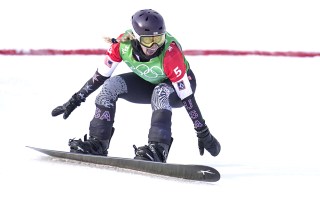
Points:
x=90, y=86
x=104, y=72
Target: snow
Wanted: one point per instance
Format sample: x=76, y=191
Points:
x=264, y=111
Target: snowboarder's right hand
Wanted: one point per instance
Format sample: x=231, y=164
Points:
x=68, y=107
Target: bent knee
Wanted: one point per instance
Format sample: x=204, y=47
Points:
x=111, y=89
x=160, y=96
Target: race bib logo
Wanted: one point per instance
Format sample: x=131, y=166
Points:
x=181, y=85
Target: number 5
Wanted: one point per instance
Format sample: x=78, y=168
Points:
x=177, y=71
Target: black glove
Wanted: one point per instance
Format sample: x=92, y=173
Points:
x=68, y=107
x=208, y=142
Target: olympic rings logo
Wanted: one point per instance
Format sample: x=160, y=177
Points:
x=144, y=70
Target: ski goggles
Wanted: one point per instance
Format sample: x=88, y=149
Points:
x=148, y=41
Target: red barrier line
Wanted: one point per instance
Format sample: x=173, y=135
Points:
x=44, y=52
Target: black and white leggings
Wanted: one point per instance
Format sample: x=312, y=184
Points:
x=131, y=87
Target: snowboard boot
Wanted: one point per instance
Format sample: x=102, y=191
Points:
x=154, y=151
x=91, y=146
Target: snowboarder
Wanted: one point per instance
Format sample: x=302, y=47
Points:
x=160, y=76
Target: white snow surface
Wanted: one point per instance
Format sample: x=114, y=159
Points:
x=263, y=110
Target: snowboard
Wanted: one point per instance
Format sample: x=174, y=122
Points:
x=184, y=171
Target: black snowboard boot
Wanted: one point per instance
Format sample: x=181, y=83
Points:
x=154, y=151
x=91, y=146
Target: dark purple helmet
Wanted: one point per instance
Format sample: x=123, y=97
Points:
x=148, y=22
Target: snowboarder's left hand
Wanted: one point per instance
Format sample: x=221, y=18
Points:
x=208, y=142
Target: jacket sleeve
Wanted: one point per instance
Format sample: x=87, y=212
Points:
x=91, y=85
x=103, y=72
x=175, y=69
x=194, y=112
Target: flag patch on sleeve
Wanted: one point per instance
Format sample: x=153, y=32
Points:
x=108, y=62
